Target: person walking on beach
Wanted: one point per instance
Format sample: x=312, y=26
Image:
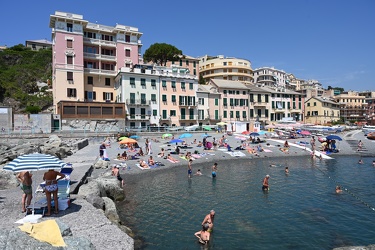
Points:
x=266, y=186
x=190, y=171
x=146, y=146
x=25, y=184
x=214, y=169
x=101, y=150
x=209, y=219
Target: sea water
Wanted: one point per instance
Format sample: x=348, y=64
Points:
x=300, y=211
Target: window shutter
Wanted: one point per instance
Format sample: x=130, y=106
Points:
x=111, y=96
x=104, y=96
x=94, y=95
x=85, y=94
x=67, y=93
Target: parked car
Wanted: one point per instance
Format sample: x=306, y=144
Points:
x=191, y=128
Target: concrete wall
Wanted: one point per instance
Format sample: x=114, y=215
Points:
x=6, y=124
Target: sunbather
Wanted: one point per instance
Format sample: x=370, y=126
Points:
x=143, y=164
x=161, y=154
x=169, y=157
x=151, y=161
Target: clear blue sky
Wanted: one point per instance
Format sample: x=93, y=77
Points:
x=332, y=41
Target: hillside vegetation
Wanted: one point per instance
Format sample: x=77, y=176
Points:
x=20, y=70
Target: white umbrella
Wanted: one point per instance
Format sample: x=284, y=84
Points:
x=34, y=162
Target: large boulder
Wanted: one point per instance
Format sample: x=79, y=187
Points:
x=7, y=179
x=91, y=188
x=53, y=142
x=110, y=210
x=101, y=164
x=96, y=201
x=110, y=187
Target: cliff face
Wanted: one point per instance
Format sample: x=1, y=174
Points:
x=20, y=71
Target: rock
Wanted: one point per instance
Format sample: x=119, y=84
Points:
x=110, y=210
x=110, y=187
x=101, y=164
x=75, y=243
x=369, y=247
x=53, y=142
x=7, y=179
x=96, y=201
x=64, y=229
x=91, y=188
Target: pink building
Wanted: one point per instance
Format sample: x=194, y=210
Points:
x=87, y=57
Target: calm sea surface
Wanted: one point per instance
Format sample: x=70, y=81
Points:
x=301, y=210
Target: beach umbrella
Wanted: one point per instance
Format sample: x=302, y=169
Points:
x=176, y=141
x=122, y=138
x=334, y=137
x=128, y=141
x=261, y=132
x=221, y=123
x=254, y=134
x=134, y=137
x=207, y=128
x=166, y=135
x=245, y=132
x=186, y=135
x=305, y=132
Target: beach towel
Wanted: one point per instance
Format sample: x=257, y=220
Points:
x=196, y=156
x=138, y=165
x=267, y=150
x=236, y=154
x=46, y=231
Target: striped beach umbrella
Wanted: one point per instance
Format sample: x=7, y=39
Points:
x=34, y=162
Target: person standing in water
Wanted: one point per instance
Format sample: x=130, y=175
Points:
x=266, y=186
x=209, y=219
x=203, y=235
x=190, y=171
x=214, y=169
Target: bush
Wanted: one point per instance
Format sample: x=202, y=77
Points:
x=33, y=109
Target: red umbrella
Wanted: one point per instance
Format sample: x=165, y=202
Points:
x=305, y=132
x=245, y=132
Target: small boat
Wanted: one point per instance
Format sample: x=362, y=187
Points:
x=371, y=136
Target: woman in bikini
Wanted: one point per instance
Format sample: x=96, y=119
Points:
x=51, y=177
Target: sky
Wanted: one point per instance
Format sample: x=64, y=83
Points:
x=332, y=41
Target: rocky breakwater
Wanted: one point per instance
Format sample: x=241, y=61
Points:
x=102, y=192
x=54, y=145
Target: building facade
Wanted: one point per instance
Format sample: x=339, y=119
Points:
x=87, y=57
x=38, y=44
x=269, y=77
x=225, y=68
x=352, y=106
x=321, y=111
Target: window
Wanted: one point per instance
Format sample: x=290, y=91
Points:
x=244, y=114
x=172, y=113
x=164, y=98
x=90, y=80
x=237, y=114
x=308, y=104
x=225, y=114
x=132, y=81
x=154, y=112
x=314, y=103
x=69, y=76
x=69, y=59
x=266, y=113
x=191, y=86
x=251, y=113
x=90, y=95
x=69, y=27
x=132, y=98
x=231, y=114
x=187, y=62
x=180, y=62
x=259, y=113
x=143, y=82
x=107, y=96
x=143, y=98
x=173, y=98
x=225, y=103
x=69, y=43
x=164, y=84
x=195, y=72
x=71, y=92
x=153, y=97
x=107, y=81
x=127, y=38
x=164, y=114
x=153, y=82
x=182, y=85
x=216, y=102
x=173, y=83
x=127, y=53
x=201, y=101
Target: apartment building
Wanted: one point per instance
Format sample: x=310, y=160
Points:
x=225, y=68
x=269, y=77
x=188, y=62
x=138, y=88
x=352, y=106
x=260, y=104
x=321, y=110
x=209, y=105
x=38, y=44
x=370, y=107
x=87, y=57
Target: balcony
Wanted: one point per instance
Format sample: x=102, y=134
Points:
x=99, y=57
x=188, y=117
x=138, y=102
x=188, y=104
x=279, y=110
x=260, y=104
x=100, y=72
x=215, y=117
x=93, y=41
x=138, y=117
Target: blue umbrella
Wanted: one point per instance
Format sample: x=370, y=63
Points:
x=34, y=162
x=134, y=137
x=186, y=135
x=176, y=141
x=334, y=137
x=254, y=134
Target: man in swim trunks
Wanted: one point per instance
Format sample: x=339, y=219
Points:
x=190, y=171
x=266, y=186
x=51, y=178
x=209, y=219
x=25, y=184
x=214, y=169
x=203, y=235
x=116, y=172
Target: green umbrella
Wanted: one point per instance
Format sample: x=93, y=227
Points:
x=166, y=135
x=207, y=128
x=122, y=138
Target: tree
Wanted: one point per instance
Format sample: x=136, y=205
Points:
x=201, y=80
x=160, y=53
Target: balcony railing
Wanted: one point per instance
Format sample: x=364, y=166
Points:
x=260, y=104
x=100, y=71
x=99, y=56
x=138, y=117
x=188, y=104
x=99, y=42
x=188, y=117
x=138, y=102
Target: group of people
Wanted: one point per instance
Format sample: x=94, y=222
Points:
x=207, y=226
x=51, y=177
x=190, y=169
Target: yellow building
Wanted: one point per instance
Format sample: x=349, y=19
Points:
x=352, y=106
x=321, y=110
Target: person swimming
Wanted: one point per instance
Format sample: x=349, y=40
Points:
x=214, y=169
